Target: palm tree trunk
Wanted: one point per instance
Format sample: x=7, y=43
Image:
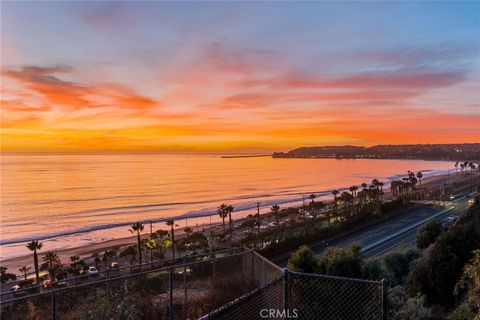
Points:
x=230, y=224
x=139, y=248
x=223, y=221
x=173, y=242
x=35, y=263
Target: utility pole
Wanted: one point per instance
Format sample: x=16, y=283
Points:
x=151, y=229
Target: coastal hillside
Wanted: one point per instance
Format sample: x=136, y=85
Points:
x=456, y=152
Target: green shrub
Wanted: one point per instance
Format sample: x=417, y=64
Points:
x=427, y=233
x=342, y=262
x=303, y=260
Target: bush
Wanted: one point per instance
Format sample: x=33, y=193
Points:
x=398, y=264
x=436, y=276
x=373, y=269
x=428, y=233
x=402, y=307
x=342, y=262
x=303, y=260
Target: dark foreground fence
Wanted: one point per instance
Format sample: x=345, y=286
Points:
x=186, y=288
x=233, y=284
x=308, y=296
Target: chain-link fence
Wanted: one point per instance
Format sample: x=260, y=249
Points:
x=308, y=296
x=166, y=290
x=232, y=284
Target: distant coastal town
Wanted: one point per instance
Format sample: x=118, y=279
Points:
x=455, y=152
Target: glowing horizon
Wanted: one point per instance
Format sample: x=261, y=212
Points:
x=237, y=77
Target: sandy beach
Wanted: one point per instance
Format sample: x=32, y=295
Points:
x=86, y=251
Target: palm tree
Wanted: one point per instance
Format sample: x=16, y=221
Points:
x=275, y=210
x=75, y=260
x=335, y=204
x=312, y=198
x=223, y=213
x=346, y=198
x=188, y=232
x=50, y=259
x=171, y=224
x=420, y=176
x=24, y=270
x=229, y=210
x=456, y=167
x=137, y=228
x=34, y=246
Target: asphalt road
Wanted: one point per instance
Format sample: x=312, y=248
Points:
x=387, y=235
x=409, y=236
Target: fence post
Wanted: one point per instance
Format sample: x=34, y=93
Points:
x=184, y=282
x=170, y=294
x=54, y=305
x=264, y=276
x=384, y=300
x=213, y=274
x=107, y=286
x=253, y=267
x=286, y=292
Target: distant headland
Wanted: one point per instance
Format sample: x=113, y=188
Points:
x=455, y=152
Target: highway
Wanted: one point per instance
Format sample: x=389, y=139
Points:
x=409, y=236
x=382, y=237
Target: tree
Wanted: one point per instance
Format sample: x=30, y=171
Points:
x=5, y=276
x=171, y=224
x=151, y=245
x=229, y=210
x=420, y=176
x=346, y=198
x=372, y=269
x=159, y=236
x=35, y=246
x=197, y=240
x=398, y=264
x=353, y=190
x=403, y=307
x=335, y=204
x=342, y=262
x=303, y=260
x=24, y=270
x=469, y=284
x=436, y=276
x=130, y=254
x=275, y=210
x=188, y=231
x=223, y=213
x=427, y=233
x=50, y=259
x=137, y=228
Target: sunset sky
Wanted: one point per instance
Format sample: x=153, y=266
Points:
x=237, y=76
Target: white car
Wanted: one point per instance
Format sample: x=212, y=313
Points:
x=92, y=271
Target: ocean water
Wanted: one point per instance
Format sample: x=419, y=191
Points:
x=72, y=200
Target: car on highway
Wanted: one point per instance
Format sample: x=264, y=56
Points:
x=17, y=291
x=456, y=197
x=92, y=271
